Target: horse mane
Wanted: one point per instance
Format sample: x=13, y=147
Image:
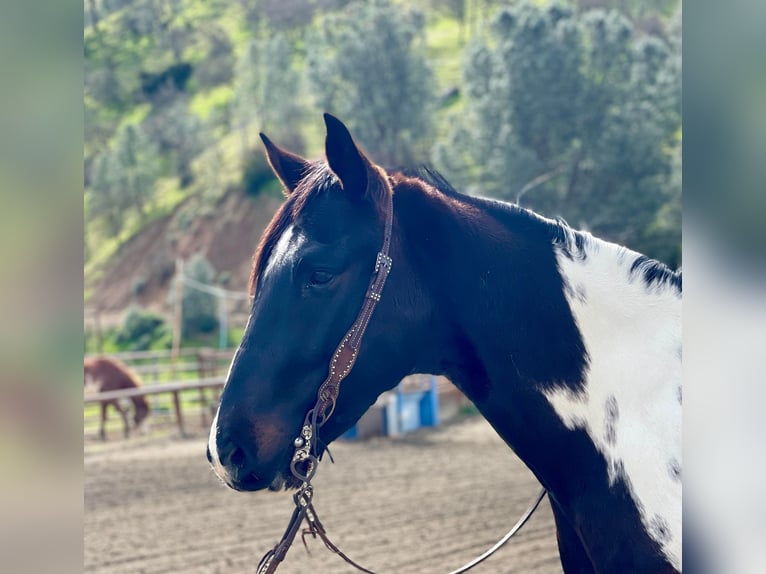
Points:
x=317, y=180
x=656, y=273
x=573, y=243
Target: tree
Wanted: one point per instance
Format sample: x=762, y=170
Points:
x=246, y=84
x=122, y=178
x=179, y=133
x=199, y=308
x=104, y=198
x=571, y=114
x=457, y=9
x=137, y=161
x=265, y=91
x=367, y=65
x=218, y=65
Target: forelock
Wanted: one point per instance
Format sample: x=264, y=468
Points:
x=318, y=180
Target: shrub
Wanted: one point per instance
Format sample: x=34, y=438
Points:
x=199, y=308
x=139, y=330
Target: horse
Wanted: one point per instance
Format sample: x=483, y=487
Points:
x=112, y=375
x=569, y=345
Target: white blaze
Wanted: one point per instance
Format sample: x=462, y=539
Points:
x=284, y=251
x=282, y=254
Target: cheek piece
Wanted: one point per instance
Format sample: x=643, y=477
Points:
x=305, y=461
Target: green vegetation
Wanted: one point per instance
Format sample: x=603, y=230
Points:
x=574, y=114
x=141, y=331
x=572, y=107
x=368, y=66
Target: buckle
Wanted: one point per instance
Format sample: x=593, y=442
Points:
x=382, y=260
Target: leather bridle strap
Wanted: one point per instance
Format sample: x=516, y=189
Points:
x=344, y=357
x=304, y=463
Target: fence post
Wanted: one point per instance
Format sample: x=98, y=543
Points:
x=179, y=415
x=177, y=315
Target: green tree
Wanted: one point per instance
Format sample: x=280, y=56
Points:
x=199, y=308
x=178, y=133
x=265, y=92
x=218, y=65
x=140, y=329
x=246, y=84
x=367, y=65
x=104, y=199
x=574, y=115
x=138, y=166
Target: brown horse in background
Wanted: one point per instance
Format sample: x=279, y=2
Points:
x=111, y=375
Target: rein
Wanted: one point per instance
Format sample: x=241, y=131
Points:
x=305, y=461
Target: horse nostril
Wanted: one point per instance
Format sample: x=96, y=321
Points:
x=232, y=456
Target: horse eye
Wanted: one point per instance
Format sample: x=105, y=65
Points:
x=320, y=278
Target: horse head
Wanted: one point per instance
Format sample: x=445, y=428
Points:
x=310, y=276
x=141, y=408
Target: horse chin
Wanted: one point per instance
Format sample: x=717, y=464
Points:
x=278, y=483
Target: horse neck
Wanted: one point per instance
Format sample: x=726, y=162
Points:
x=505, y=285
x=499, y=310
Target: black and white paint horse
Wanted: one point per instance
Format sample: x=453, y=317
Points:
x=568, y=345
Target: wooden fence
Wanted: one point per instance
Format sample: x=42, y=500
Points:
x=175, y=388
x=197, y=369
x=206, y=371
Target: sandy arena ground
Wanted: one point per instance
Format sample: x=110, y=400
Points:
x=425, y=503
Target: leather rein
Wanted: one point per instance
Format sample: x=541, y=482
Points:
x=305, y=460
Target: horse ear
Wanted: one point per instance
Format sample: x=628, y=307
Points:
x=288, y=167
x=344, y=158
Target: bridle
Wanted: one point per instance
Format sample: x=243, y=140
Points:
x=305, y=460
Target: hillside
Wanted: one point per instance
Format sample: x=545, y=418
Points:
x=176, y=92
x=182, y=68
x=225, y=233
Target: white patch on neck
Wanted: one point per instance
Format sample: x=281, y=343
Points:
x=284, y=250
x=630, y=408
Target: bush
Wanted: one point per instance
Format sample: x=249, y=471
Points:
x=140, y=330
x=200, y=308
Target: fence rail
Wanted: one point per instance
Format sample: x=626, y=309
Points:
x=175, y=388
x=165, y=354
x=209, y=371
x=202, y=367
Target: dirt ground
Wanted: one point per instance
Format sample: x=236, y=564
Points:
x=425, y=503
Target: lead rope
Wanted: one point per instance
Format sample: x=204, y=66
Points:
x=303, y=465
